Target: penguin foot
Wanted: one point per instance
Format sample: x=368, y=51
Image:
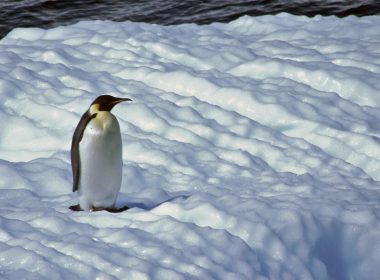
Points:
x=95, y=209
x=75, y=208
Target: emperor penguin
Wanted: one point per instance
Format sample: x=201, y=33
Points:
x=96, y=157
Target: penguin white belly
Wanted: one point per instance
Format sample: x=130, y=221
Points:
x=100, y=163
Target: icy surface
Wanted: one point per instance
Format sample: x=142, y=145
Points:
x=251, y=150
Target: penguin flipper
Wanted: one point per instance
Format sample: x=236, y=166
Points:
x=77, y=137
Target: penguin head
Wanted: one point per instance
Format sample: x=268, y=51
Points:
x=106, y=103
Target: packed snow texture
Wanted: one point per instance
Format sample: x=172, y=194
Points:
x=251, y=150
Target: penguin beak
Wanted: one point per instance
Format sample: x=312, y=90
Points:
x=118, y=100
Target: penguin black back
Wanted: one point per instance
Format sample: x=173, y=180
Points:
x=77, y=137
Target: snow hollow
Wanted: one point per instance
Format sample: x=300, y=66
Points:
x=251, y=150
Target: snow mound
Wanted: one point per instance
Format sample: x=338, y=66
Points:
x=251, y=150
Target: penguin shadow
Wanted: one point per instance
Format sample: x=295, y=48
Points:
x=126, y=205
x=147, y=206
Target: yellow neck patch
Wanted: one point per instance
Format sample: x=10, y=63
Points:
x=94, y=109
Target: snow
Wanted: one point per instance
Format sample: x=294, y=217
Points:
x=251, y=150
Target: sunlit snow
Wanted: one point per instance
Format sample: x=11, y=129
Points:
x=251, y=150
